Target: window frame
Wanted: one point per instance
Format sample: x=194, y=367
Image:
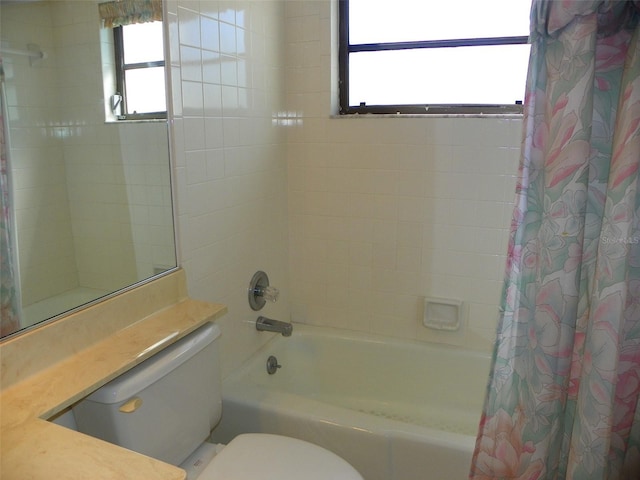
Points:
x=121, y=86
x=345, y=48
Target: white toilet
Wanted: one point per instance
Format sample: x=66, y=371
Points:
x=167, y=406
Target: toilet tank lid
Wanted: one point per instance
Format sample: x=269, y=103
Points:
x=155, y=367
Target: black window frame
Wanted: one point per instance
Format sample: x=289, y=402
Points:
x=121, y=85
x=346, y=48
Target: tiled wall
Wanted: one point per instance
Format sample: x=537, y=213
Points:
x=385, y=211
x=355, y=219
x=117, y=180
x=92, y=199
x=230, y=157
x=37, y=158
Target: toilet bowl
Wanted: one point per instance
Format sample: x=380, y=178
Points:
x=253, y=456
x=167, y=406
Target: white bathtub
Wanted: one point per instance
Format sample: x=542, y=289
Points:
x=395, y=410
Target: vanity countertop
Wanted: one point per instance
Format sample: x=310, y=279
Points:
x=34, y=448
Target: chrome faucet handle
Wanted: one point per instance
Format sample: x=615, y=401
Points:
x=260, y=291
x=268, y=293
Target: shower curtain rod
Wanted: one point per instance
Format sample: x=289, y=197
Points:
x=33, y=54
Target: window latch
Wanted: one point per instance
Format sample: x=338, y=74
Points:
x=116, y=104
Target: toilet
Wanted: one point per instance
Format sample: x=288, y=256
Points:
x=167, y=406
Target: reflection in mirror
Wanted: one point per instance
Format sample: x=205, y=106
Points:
x=86, y=199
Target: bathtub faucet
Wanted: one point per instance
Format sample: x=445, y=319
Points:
x=265, y=324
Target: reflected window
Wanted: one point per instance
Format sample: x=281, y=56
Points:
x=140, y=76
x=411, y=56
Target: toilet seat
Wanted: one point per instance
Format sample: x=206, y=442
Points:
x=262, y=456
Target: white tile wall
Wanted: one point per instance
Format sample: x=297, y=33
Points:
x=92, y=198
x=381, y=212
x=228, y=85
x=354, y=219
x=37, y=158
x=385, y=211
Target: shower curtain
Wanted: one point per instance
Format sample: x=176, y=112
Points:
x=563, y=395
x=9, y=293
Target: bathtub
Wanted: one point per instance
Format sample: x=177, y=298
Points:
x=395, y=410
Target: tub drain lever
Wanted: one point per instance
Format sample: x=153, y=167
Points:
x=272, y=365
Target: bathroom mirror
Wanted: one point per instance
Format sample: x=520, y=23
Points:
x=89, y=198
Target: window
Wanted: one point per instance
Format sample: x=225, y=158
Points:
x=414, y=56
x=140, y=76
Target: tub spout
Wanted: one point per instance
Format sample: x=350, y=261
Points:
x=265, y=324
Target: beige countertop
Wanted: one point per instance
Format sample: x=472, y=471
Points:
x=32, y=447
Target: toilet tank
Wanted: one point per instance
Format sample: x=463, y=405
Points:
x=166, y=406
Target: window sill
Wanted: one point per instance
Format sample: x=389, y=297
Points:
x=427, y=115
x=135, y=120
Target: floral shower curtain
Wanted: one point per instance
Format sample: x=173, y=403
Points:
x=9, y=305
x=563, y=396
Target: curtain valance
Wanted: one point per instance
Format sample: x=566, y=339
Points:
x=127, y=12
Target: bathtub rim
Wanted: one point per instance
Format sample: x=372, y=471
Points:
x=312, y=410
